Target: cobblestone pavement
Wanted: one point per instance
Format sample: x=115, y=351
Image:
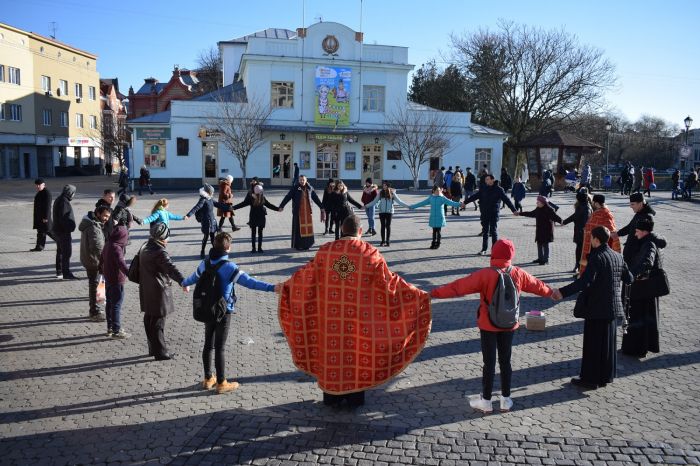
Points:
x=68, y=395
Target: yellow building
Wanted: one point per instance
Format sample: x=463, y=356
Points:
x=50, y=107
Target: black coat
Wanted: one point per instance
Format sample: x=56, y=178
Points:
x=340, y=203
x=469, y=182
x=156, y=276
x=506, y=181
x=600, y=293
x=109, y=224
x=545, y=217
x=456, y=190
x=490, y=198
x=580, y=217
x=42, y=210
x=256, y=217
x=649, y=255
x=630, y=249
x=206, y=205
x=294, y=195
x=63, y=218
x=326, y=201
x=123, y=179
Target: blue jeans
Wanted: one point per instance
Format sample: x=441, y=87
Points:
x=370, y=217
x=543, y=252
x=114, y=295
x=493, y=343
x=490, y=228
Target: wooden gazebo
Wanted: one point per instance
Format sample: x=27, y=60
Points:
x=557, y=151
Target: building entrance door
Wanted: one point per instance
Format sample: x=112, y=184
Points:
x=27, y=166
x=327, y=165
x=210, y=164
x=77, y=159
x=282, y=164
x=372, y=162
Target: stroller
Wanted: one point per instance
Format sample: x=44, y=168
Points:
x=572, y=185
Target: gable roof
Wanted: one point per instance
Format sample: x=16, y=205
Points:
x=235, y=92
x=272, y=33
x=557, y=138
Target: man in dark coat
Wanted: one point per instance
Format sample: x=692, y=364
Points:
x=123, y=181
x=296, y=174
x=642, y=210
x=42, y=215
x=107, y=200
x=156, y=274
x=92, y=241
x=599, y=304
x=63, y=226
x=302, y=224
x=579, y=217
x=490, y=198
x=469, y=185
x=643, y=329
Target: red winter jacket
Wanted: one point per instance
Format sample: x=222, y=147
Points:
x=368, y=194
x=648, y=178
x=112, y=262
x=484, y=282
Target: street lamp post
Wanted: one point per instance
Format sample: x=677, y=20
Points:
x=688, y=122
x=608, y=126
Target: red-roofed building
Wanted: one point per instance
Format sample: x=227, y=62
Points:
x=154, y=97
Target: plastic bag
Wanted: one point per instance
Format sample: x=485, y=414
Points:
x=101, y=290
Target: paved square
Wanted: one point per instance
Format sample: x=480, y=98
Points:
x=68, y=395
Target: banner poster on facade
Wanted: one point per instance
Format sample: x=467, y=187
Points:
x=332, y=96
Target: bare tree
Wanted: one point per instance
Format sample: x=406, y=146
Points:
x=208, y=70
x=237, y=120
x=528, y=81
x=112, y=138
x=418, y=132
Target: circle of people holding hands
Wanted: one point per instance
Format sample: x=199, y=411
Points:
x=613, y=284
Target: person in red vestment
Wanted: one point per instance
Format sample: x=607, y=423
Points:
x=350, y=322
x=601, y=216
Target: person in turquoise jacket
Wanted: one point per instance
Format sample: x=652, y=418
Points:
x=437, y=214
x=385, y=200
x=160, y=214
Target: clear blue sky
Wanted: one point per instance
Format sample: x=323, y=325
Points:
x=653, y=43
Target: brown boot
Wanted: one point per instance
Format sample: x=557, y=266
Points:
x=226, y=386
x=209, y=383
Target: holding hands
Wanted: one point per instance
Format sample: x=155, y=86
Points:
x=278, y=288
x=185, y=217
x=556, y=296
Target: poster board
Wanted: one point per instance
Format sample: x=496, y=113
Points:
x=332, y=96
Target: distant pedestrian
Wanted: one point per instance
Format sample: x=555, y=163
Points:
x=690, y=183
x=328, y=206
x=599, y=304
x=456, y=190
x=63, y=226
x=108, y=167
x=494, y=341
x=296, y=174
x=385, y=204
x=586, y=177
x=448, y=177
x=216, y=333
x=256, y=218
x=675, y=185
x=506, y=180
x=225, y=197
x=582, y=210
x=469, y=186
x=92, y=240
x=630, y=178
x=369, y=192
x=113, y=268
x=436, y=220
x=123, y=217
x=518, y=194
x=145, y=180
x=123, y=181
x=639, y=179
x=156, y=274
x=42, y=215
x=648, y=181
x=545, y=217
x=207, y=219
x=439, y=179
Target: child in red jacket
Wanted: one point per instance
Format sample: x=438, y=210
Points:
x=493, y=340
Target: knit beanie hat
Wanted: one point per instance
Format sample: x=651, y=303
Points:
x=258, y=189
x=387, y=183
x=368, y=180
x=38, y=181
x=637, y=197
x=208, y=189
x=229, y=178
x=543, y=200
x=645, y=225
x=159, y=231
x=599, y=198
x=582, y=198
x=503, y=249
x=255, y=178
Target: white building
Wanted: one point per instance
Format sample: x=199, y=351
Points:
x=330, y=94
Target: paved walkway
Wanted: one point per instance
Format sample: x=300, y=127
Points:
x=68, y=395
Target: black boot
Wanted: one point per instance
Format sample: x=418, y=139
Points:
x=260, y=249
x=253, y=251
x=432, y=245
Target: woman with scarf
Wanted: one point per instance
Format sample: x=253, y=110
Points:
x=326, y=201
x=385, y=200
x=341, y=200
x=301, y=196
x=369, y=193
x=256, y=218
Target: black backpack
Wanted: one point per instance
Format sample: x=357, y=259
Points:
x=208, y=305
x=504, y=308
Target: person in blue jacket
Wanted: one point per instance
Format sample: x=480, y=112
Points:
x=207, y=217
x=215, y=334
x=159, y=213
x=437, y=213
x=490, y=198
x=518, y=193
x=386, y=199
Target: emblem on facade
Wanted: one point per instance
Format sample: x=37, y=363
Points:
x=344, y=267
x=330, y=46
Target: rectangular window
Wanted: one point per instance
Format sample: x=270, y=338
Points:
x=282, y=94
x=64, y=119
x=78, y=120
x=13, y=76
x=63, y=87
x=107, y=125
x=93, y=122
x=183, y=146
x=91, y=92
x=15, y=112
x=45, y=83
x=78, y=90
x=121, y=130
x=154, y=153
x=2, y=113
x=482, y=157
x=47, y=117
x=373, y=98
x=2, y=73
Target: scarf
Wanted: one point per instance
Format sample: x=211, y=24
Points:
x=306, y=224
x=215, y=254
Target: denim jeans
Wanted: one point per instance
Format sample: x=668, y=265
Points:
x=370, y=217
x=215, y=340
x=114, y=295
x=543, y=252
x=490, y=228
x=93, y=281
x=385, y=221
x=493, y=343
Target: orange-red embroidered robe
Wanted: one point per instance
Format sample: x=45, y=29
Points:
x=600, y=217
x=351, y=322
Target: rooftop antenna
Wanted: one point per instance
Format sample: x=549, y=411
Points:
x=53, y=27
x=319, y=17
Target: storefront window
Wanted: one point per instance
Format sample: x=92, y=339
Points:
x=154, y=154
x=549, y=158
x=62, y=156
x=532, y=160
x=91, y=156
x=13, y=157
x=77, y=157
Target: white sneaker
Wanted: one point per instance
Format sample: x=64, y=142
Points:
x=506, y=403
x=480, y=404
x=482, y=253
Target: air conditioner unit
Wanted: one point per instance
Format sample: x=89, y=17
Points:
x=49, y=93
x=60, y=92
x=79, y=100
